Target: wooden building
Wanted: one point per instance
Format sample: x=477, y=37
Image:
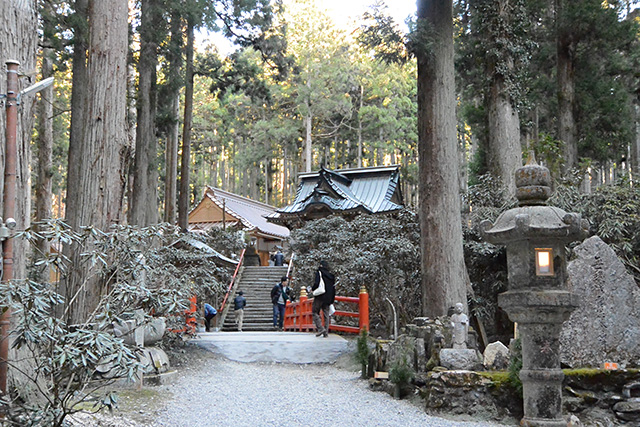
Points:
x=219, y=208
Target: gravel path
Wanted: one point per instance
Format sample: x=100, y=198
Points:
x=222, y=392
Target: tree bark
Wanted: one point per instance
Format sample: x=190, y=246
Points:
x=19, y=42
x=45, y=148
x=566, y=46
x=308, y=148
x=183, y=201
x=78, y=95
x=174, y=57
x=443, y=269
x=144, y=201
x=97, y=197
x=360, y=128
x=505, y=152
x=635, y=144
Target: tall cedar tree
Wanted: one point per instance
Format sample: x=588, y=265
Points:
x=95, y=196
x=443, y=269
x=144, y=201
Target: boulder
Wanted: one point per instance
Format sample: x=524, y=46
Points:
x=628, y=410
x=134, y=333
x=496, y=356
x=459, y=358
x=606, y=325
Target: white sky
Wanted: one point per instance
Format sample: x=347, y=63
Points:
x=343, y=13
x=342, y=10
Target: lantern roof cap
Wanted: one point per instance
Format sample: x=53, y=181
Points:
x=533, y=183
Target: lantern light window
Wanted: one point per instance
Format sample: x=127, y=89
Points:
x=544, y=262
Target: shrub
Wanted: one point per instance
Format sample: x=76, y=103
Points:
x=378, y=252
x=151, y=269
x=515, y=365
x=362, y=351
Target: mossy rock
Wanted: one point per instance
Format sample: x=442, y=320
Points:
x=599, y=379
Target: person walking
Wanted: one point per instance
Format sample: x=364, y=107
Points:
x=279, y=297
x=239, y=303
x=322, y=300
x=209, y=313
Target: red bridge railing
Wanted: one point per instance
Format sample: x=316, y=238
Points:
x=298, y=315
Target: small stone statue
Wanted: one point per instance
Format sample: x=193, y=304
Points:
x=460, y=323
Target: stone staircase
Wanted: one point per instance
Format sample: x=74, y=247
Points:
x=256, y=283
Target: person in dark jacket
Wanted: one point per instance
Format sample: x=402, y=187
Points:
x=322, y=302
x=279, y=297
x=278, y=259
x=209, y=313
x=239, y=303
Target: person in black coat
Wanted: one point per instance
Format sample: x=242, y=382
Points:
x=323, y=301
x=280, y=294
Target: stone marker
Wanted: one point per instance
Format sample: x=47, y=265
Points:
x=496, y=356
x=606, y=326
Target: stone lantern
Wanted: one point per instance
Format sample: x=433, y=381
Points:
x=537, y=300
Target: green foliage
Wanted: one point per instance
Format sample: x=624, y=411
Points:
x=363, y=351
x=57, y=361
x=380, y=253
x=486, y=263
x=401, y=372
x=153, y=269
x=548, y=151
x=515, y=365
x=381, y=34
x=613, y=213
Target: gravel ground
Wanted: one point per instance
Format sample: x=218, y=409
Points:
x=221, y=392
x=212, y=391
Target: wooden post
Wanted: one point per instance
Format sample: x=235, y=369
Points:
x=301, y=315
x=363, y=308
x=190, y=315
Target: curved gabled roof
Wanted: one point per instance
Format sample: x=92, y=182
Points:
x=250, y=213
x=372, y=190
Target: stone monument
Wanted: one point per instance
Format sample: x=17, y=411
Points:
x=538, y=299
x=606, y=327
x=460, y=323
x=459, y=357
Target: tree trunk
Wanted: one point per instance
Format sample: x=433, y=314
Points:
x=78, y=95
x=45, y=141
x=183, y=201
x=505, y=152
x=443, y=269
x=144, y=201
x=174, y=57
x=360, y=128
x=308, y=149
x=19, y=42
x=566, y=46
x=635, y=144
x=97, y=199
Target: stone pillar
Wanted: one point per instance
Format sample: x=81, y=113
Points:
x=539, y=329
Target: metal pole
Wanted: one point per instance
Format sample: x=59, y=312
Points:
x=395, y=319
x=9, y=204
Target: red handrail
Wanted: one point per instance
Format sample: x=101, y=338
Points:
x=189, y=314
x=299, y=317
x=233, y=279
